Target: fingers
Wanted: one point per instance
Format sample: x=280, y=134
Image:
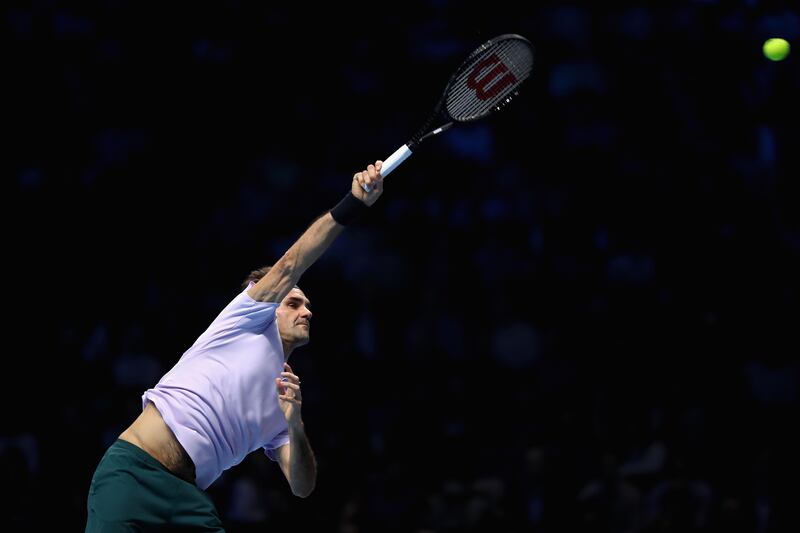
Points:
x=359, y=179
x=287, y=384
x=364, y=181
x=371, y=177
x=379, y=183
x=289, y=373
x=290, y=399
x=374, y=174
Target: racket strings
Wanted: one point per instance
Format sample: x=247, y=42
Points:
x=513, y=54
x=462, y=88
x=519, y=64
x=464, y=104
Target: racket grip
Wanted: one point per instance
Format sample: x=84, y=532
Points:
x=391, y=163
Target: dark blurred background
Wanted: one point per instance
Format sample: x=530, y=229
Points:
x=578, y=315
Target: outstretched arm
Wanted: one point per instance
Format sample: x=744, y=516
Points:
x=286, y=272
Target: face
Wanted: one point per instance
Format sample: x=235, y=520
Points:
x=294, y=318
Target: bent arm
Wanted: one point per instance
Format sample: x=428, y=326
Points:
x=297, y=462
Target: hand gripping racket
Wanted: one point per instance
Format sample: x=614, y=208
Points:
x=484, y=83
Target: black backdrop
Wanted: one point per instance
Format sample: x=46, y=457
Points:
x=578, y=315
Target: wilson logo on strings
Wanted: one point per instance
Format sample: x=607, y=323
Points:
x=488, y=85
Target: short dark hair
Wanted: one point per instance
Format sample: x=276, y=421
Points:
x=255, y=275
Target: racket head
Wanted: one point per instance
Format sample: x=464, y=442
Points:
x=489, y=78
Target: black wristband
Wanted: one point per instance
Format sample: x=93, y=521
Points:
x=348, y=209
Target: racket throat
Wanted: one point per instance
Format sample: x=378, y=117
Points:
x=437, y=131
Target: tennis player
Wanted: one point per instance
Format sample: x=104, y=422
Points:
x=231, y=393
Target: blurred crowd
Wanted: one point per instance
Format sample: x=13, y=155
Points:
x=575, y=316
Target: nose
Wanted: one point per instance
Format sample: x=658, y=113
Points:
x=306, y=313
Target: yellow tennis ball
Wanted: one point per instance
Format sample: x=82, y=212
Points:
x=776, y=49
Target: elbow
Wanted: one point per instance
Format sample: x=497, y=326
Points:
x=304, y=492
x=304, y=488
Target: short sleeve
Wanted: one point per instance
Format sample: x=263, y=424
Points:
x=280, y=439
x=242, y=315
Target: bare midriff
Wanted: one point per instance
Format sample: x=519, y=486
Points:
x=150, y=433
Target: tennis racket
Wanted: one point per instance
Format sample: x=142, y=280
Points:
x=484, y=83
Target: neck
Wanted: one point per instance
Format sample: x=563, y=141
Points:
x=288, y=348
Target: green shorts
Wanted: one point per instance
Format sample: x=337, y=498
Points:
x=131, y=491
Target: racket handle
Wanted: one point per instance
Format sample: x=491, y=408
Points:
x=391, y=163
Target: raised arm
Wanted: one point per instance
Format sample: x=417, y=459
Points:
x=286, y=272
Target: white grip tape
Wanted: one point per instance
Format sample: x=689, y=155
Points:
x=392, y=162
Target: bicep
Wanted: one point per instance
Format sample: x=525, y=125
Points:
x=276, y=283
x=285, y=274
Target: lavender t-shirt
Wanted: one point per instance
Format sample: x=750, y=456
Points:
x=220, y=398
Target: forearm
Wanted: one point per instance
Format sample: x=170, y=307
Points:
x=302, y=465
x=286, y=272
x=319, y=236
x=312, y=244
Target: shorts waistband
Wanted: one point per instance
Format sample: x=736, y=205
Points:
x=131, y=449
